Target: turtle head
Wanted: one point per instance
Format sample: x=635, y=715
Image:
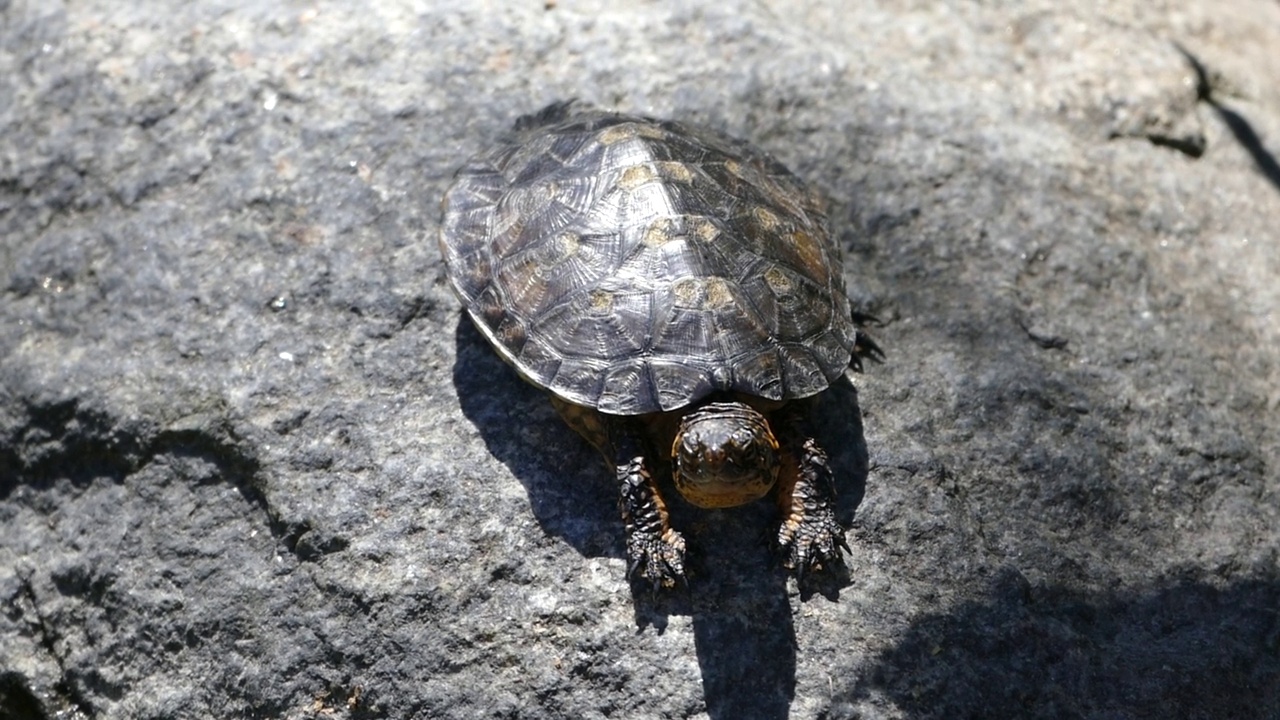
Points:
x=725, y=455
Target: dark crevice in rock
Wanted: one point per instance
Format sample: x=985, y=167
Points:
x=67, y=694
x=61, y=441
x=1041, y=337
x=1192, y=146
x=17, y=702
x=412, y=309
x=68, y=441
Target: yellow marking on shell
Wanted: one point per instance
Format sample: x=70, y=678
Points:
x=477, y=274
x=767, y=219
x=686, y=290
x=616, y=134
x=702, y=228
x=712, y=293
x=651, y=132
x=734, y=167
x=778, y=281
x=635, y=176
x=538, y=196
x=659, y=232
x=718, y=293
x=565, y=245
x=675, y=171
x=600, y=302
x=511, y=332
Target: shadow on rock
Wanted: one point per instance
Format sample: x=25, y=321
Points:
x=737, y=600
x=1192, y=650
x=570, y=493
x=737, y=596
x=1239, y=126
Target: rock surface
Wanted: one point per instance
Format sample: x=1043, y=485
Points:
x=253, y=464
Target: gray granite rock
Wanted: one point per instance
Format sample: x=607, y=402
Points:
x=253, y=464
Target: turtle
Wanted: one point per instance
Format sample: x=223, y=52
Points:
x=677, y=293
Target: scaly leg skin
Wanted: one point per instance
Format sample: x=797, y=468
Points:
x=809, y=538
x=655, y=552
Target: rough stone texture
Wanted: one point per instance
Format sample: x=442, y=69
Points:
x=253, y=465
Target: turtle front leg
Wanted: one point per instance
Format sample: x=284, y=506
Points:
x=809, y=538
x=655, y=551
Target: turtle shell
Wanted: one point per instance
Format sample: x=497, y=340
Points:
x=635, y=265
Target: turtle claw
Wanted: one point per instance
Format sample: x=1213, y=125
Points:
x=812, y=543
x=656, y=560
x=865, y=349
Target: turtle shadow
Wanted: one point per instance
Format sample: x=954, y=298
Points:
x=1191, y=649
x=738, y=599
x=569, y=491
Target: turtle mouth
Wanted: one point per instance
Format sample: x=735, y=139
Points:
x=725, y=455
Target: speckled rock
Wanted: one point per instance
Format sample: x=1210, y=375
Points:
x=253, y=463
